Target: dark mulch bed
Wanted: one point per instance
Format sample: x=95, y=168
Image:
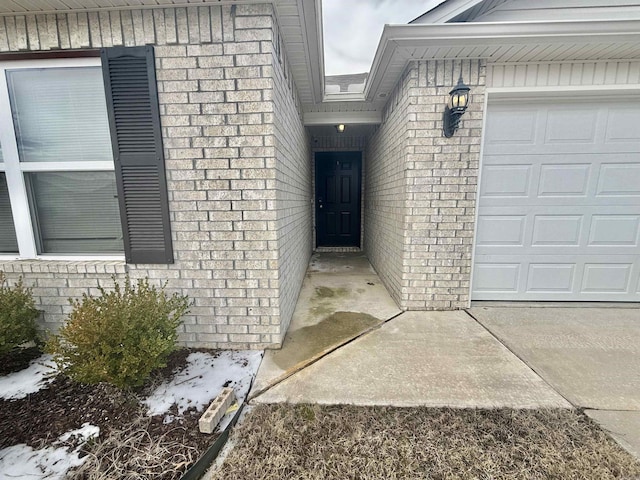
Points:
x=40, y=418
x=313, y=442
x=18, y=360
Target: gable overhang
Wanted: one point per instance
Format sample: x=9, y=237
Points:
x=518, y=42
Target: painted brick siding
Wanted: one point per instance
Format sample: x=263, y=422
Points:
x=293, y=187
x=385, y=196
x=441, y=183
x=215, y=82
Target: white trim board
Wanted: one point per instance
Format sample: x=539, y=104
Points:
x=523, y=42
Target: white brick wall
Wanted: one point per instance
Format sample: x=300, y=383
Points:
x=53, y=283
x=385, y=196
x=233, y=207
x=422, y=187
x=293, y=187
x=442, y=176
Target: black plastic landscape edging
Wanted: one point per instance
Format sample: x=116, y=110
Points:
x=204, y=462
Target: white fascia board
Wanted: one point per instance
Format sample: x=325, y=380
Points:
x=335, y=118
x=343, y=97
x=447, y=10
x=407, y=37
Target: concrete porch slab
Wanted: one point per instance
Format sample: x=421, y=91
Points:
x=342, y=263
x=341, y=298
x=590, y=355
x=420, y=358
x=624, y=427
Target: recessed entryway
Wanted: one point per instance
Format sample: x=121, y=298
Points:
x=337, y=198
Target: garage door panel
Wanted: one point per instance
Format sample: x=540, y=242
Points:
x=619, y=179
x=606, y=278
x=569, y=231
x=571, y=125
x=501, y=230
x=551, y=277
x=506, y=127
x=556, y=278
x=502, y=277
x=622, y=125
x=564, y=179
x=556, y=230
x=506, y=181
x=559, y=204
x=615, y=231
x=507, y=150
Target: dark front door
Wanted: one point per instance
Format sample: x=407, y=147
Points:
x=338, y=199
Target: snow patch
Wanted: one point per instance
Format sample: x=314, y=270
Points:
x=81, y=434
x=203, y=379
x=35, y=377
x=50, y=463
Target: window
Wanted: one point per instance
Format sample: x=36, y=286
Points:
x=63, y=190
x=8, y=242
x=57, y=168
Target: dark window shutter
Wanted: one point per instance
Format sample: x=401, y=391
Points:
x=134, y=120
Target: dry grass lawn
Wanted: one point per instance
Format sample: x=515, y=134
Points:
x=346, y=442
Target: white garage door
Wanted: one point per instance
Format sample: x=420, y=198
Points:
x=559, y=208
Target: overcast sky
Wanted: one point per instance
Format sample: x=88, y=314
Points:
x=352, y=29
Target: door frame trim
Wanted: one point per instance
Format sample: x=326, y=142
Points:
x=314, y=206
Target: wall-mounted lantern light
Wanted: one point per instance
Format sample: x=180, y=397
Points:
x=340, y=128
x=458, y=102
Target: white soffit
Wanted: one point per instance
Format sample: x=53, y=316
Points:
x=499, y=42
x=300, y=25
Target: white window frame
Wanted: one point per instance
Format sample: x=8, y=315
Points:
x=15, y=170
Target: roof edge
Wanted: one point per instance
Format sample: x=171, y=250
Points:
x=446, y=11
x=400, y=36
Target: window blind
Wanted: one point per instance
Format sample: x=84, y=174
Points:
x=60, y=114
x=76, y=212
x=8, y=242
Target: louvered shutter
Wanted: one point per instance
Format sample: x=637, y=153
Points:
x=134, y=121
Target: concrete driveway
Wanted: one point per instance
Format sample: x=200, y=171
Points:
x=590, y=356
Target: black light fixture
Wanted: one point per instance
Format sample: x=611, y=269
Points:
x=458, y=101
x=340, y=128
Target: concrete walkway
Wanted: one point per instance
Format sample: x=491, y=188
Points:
x=420, y=358
x=341, y=298
x=349, y=344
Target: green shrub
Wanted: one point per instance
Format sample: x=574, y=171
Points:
x=17, y=315
x=120, y=336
